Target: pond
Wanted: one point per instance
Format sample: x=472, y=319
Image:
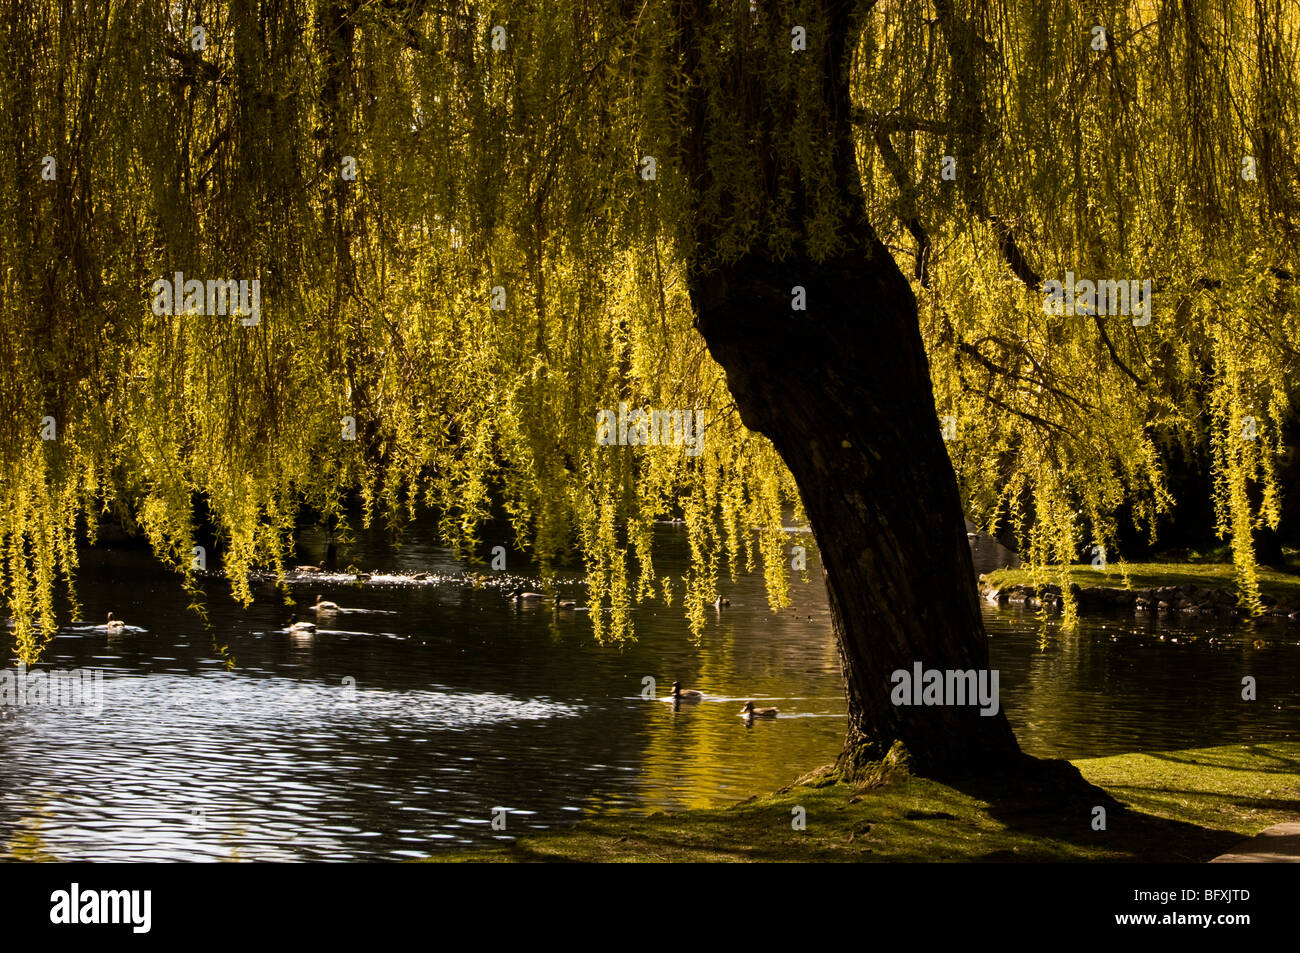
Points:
x=405, y=725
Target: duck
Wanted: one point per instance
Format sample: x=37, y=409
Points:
x=114, y=625
x=300, y=628
x=720, y=602
x=680, y=694
x=362, y=576
x=323, y=606
x=420, y=576
x=565, y=603
x=520, y=596
x=308, y=569
x=749, y=711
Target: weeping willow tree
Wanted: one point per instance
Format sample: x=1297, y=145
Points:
x=818, y=226
x=1140, y=140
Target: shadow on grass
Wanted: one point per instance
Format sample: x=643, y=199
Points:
x=1051, y=800
x=1257, y=753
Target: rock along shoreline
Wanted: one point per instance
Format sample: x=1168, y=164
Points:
x=1090, y=599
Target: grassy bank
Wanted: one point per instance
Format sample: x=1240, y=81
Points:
x=1279, y=586
x=1179, y=806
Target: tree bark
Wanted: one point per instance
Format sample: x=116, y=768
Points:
x=843, y=391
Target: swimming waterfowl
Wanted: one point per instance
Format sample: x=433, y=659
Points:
x=114, y=625
x=520, y=596
x=323, y=606
x=362, y=576
x=720, y=602
x=308, y=569
x=685, y=694
x=749, y=711
x=420, y=576
x=302, y=628
x=565, y=603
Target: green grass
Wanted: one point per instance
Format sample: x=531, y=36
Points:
x=1238, y=788
x=1179, y=806
x=1279, y=586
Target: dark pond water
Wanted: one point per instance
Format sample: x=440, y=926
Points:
x=405, y=724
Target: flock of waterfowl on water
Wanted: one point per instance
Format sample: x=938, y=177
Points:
x=518, y=596
x=749, y=712
x=301, y=627
x=296, y=626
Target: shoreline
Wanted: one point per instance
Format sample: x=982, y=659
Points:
x=1191, y=806
x=1192, y=588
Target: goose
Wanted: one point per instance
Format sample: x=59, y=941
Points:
x=520, y=596
x=680, y=694
x=749, y=711
x=301, y=628
x=323, y=606
x=114, y=625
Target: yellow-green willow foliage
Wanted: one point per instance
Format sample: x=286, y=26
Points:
x=217, y=139
x=1130, y=162
x=220, y=153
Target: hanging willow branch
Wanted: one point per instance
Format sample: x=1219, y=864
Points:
x=382, y=168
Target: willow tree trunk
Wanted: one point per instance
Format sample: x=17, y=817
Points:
x=843, y=391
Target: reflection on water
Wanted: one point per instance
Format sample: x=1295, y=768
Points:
x=1148, y=682
x=426, y=705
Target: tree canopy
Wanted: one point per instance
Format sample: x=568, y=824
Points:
x=472, y=227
